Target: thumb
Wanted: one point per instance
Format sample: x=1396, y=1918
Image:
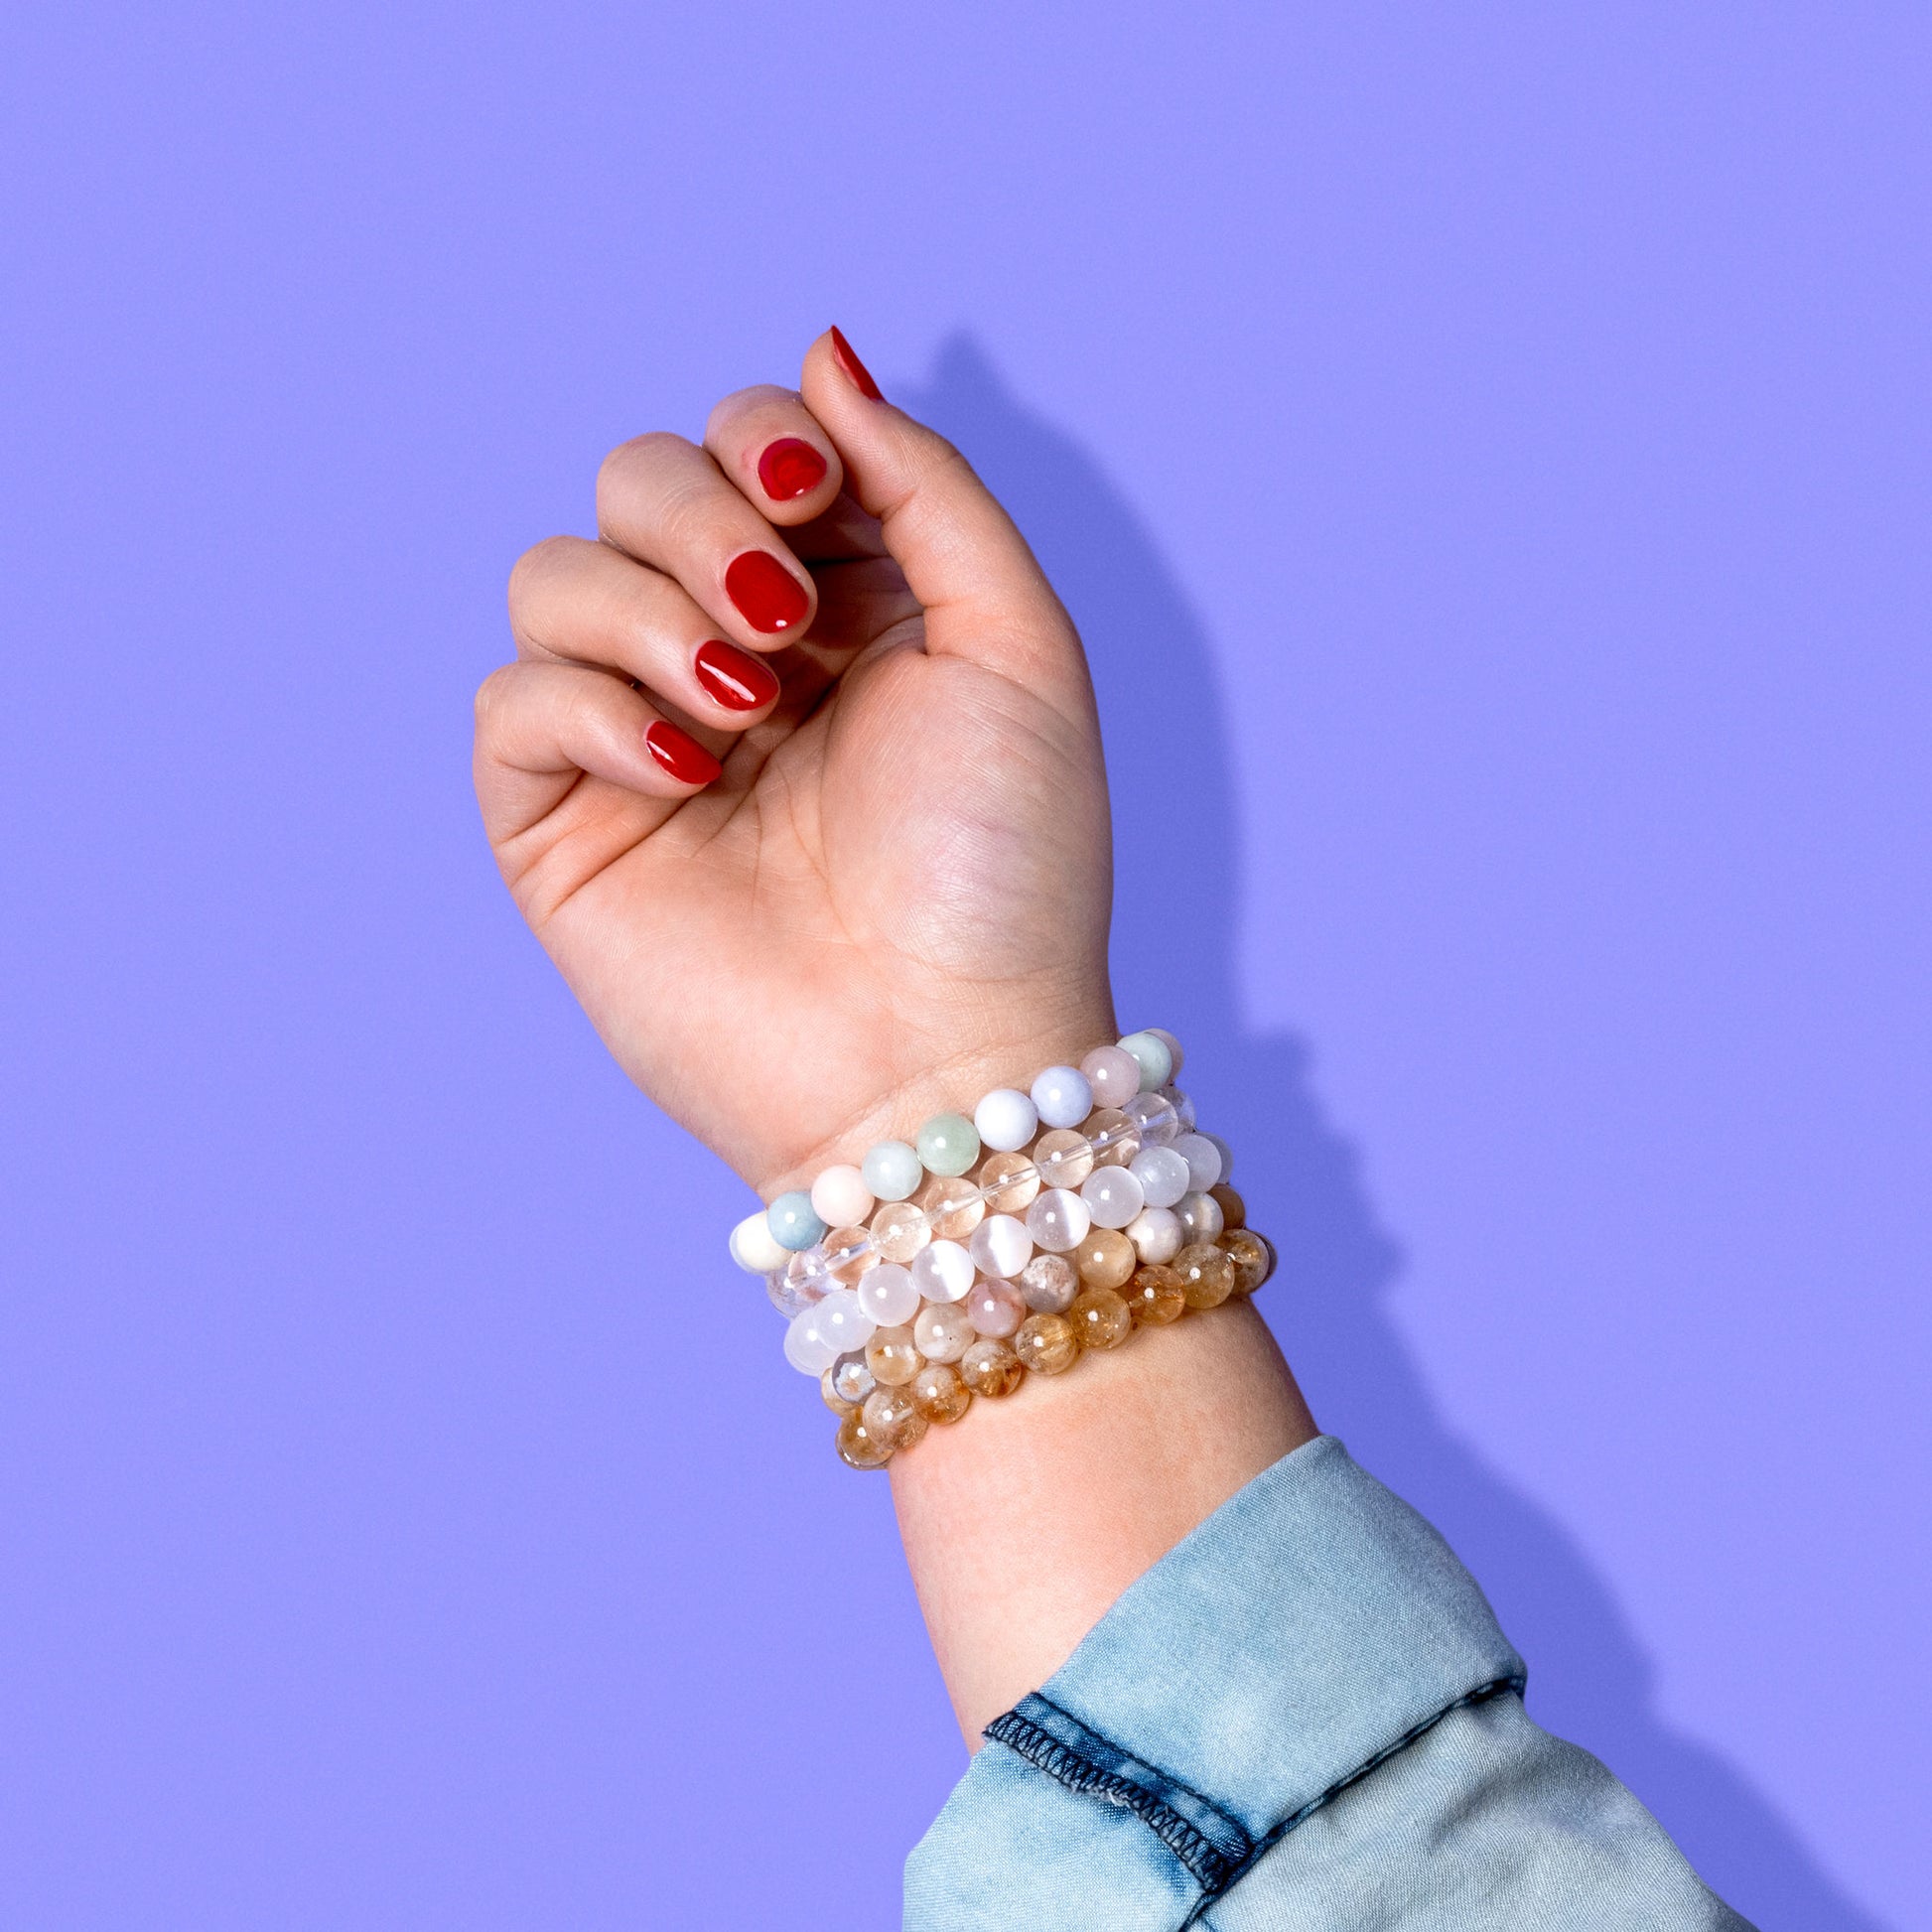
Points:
x=985, y=594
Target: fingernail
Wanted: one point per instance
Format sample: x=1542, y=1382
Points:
x=790, y=467
x=681, y=754
x=768, y=597
x=856, y=371
x=738, y=680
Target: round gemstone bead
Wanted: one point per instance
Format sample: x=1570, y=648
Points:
x=991, y=1368
x=1156, y=1234
x=1184, y=1107
x=942, y=1331
x=755, y=1247
x=859, y=1446
x=1114, y=1137
x=893, y=1356
x=1048, y=1344
x=841, y=1198
x=898, y=1231
x=1114, y=1197
x=1064, y=1158
x=1199, y=1216
x=952, y=1205
x=1234, y=1211
x=1150, y=1055
x=1113, y=1074
x=833, y=1400
x=849, y=1255
x=1162, y=1175
x=1001, y=1245
x=889, y=1295
x=1048, y=1283
x=1061, y=1097
x=893, y=1170
x=793, y=1224
x=1224, y=1150
x=1006, y=1120
x=1253, y=1258
x=1154, y=1114
x=1174, y=1055
x=948, y=1145
x=943, y=1271
x=1058, y=1221
x=842, y=1322
x=939, y=1395
x=1100, y=1318
x=808, y=1351
x=793, y=1296
x=995, y=1307
x=1203, y=1160
x=1105, y=1258
x=851, y=1379
x=1154, y=1296
x=892, y=1418
x=1010, y=1182
x=1206, y=1274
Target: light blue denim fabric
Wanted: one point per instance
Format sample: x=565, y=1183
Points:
x=1303, y=1716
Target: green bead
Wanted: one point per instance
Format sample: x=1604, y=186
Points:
x=948, y=1144
x=1155, y=1061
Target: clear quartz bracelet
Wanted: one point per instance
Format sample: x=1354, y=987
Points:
x=1052, y=1222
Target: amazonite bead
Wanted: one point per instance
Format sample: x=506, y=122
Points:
x=1063, y=1097
x=887, y=1293
x=1150, y=1054
x=840, y=1198
x=1001, y=1245
x=1058, y=1221
x=1174, y=1055
x=1162, y=1175
x=1006, y=1120
x=1114, y=1197
x=755, y=1247
x=893, y=1170
x=1113, y=1074
x=806, y=1349
x=1156, y=1234
x=1203, y=1160
x=943, y=1271
x=948, y=1145
x=793, y=1224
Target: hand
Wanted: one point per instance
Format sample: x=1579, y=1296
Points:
x=894, y=892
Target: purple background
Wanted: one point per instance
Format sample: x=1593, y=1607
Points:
x=1489, y=458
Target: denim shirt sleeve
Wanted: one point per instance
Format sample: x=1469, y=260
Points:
x=1304, y=1716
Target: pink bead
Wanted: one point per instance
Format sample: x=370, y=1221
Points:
x=995, y=1308
x=1113, y=1074
x=840, y=1198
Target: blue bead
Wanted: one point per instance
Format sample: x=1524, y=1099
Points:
x=792, y=1223
x=1062, y=1096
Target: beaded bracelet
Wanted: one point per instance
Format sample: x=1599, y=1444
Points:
x=910, y=1288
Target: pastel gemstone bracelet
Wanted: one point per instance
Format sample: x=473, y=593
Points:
x=1052, y=1222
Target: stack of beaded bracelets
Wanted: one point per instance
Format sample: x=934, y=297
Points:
x=910, y=1288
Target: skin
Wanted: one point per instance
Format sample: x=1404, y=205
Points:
x=893, y=896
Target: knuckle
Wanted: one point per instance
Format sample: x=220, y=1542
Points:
x=636, y=458
x=493, y=694
x=759, y=397
x=537, y=562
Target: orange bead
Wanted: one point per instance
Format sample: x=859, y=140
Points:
x=1206, y=1274
x=939, y=1395
x=1234, y=1211
x=1048, y=1344
x=893, y=1418
x=859, y=1447
x=952, y=1205
x=900, y=1230
x=991, y=1368
x=1105, y=1258
x=1253, y=1258
x=1100, y=1318
x=1012, y=1181
x=1063, y=1156
x=893, y=1358
x=1154, y=1296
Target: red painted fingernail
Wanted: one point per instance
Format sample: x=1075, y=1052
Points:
x=789, y=468
x=858, y=375
x=767, y=595
x=681, y=754
x=737, y=679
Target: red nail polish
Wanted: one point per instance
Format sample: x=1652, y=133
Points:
x=738, y=680
x=856, y=371
x=768, y=597
x=681, y=754
x=790, y=467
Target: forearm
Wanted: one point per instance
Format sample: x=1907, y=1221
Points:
x=1026, y=1524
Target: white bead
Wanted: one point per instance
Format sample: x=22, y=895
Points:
x=1162, y=1175
x=1203, y=1160
x=1063, y=1097
x=1225, y=1152
x=1058, y=1221
x=1156, y=1234
x=755, y=1248
x=1200, y=1217
x=808, y=1351
x=942, y=1270
x=894, y=1170
x=841, y=1198
x=1001, y=1245
x=1154, y=1116
x=842, y=1323
x=1005, y=1119
x=1114, y=1075
x=1174, y=1055
x=1156, y=1062
x=889, y=1295
x=1113, y=1197
x=943, y=1332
